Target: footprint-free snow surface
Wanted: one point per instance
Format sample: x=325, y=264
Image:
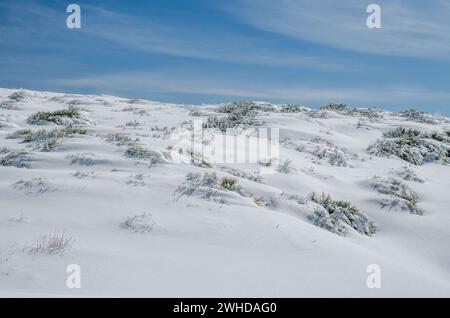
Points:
x=99, y=182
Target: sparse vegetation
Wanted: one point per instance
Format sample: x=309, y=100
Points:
x=339, y=216
x=18, y=159
x=17, y=96
x=290, y=108
x=261, y=201
x=58, y=117
x=56, y=243
x=399, y=195
x=142, y=223
x=136, y=180
x=285, y=167
x=3, y=150
x=138, y=152
x=369, y=114
x=417, y=116
x=255, y=177
x=413, y=146
x=229, y=184
x=84, y=159
x=46, y=140
x=35, y=186
x=208, y=186
x=407, y=173
x=121, y=139
x=238, y=114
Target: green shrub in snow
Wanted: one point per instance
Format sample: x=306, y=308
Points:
x=339, y=216
x=414, y=146
x=397, y=195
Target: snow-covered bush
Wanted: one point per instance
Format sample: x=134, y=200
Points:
x=56, y=243
x=285, y=167
x=138, y=152
x=407, y=173
x=261, y=201
x=229, y=184
x=339, y=216
x=208, y=186
x=121, y=139
x=238, y=114
x=8, y=105
x=35, y=186
x=84, y=159
x=136, y=180
x=84, y=174
x=398, y=195
x=417, y=116
x=70, y=116
x=369, y=114
x=255, y=177
x=46, y=140
x=290, y=108
x=317, y=114
x=17, y=96
x=142, y=223
x=196, y=113
x=335, y=107
x=326, y=150
x=18, y=159
x=322, y=149
x=413, y=146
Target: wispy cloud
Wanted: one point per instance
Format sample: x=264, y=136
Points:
x=409, y=28
x=35, y=20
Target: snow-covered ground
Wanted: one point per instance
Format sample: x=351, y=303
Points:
x=116, y=202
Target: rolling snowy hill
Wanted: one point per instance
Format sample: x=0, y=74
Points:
x=103, y=182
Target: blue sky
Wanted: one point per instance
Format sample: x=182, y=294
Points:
x=206, y=51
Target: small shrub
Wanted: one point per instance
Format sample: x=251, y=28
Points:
x=335, y=107
x=196, y=113
x=35, y=186
x=136, y=180
x=413, y=146
x=8, y=105
x=121, y=139
x=399, y=195
x=132, y=123
x=255, y=177
x=84, y=159
x=142, y=223
x=238, y=114
x=407, y=173
x=4, y=150
x=56, y=117
x=17, y=96
x=65, y=117
x=16, y=159
x=45, y=140
x=208, y=186
x=138, y=152
x=57, y=243
x=416, y=116
x=261, y=201
x=285, y=167
x=229, y=184
x=84, y=175
x=290, y=108
x=339, y=216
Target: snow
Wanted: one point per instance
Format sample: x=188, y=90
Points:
x=134, y=235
